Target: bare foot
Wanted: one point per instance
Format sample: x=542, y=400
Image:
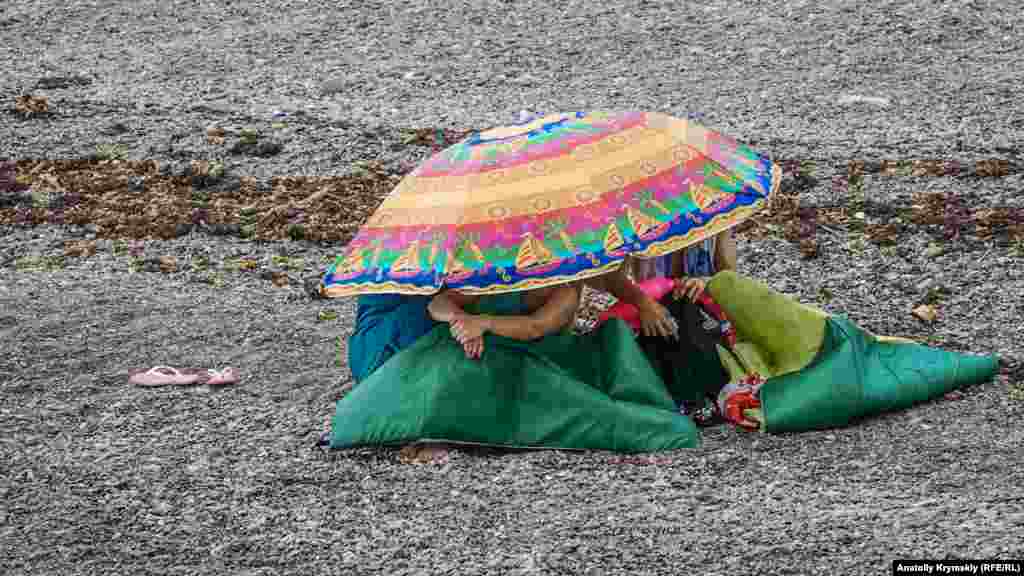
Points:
x=423, y=453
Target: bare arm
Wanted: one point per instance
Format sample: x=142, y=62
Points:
x=619, y=285
x=557, y=312
x=655, y=320
x=554, y=315
x=444, y=308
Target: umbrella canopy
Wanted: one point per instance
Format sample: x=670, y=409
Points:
x=552, y=200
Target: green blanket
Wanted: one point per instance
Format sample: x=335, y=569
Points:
x=824, y=371
x=599, y=391
x=564, y=391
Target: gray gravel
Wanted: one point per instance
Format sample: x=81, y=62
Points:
x=99, y=477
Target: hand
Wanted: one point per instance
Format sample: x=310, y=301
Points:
x=474, y=348
x=468, y=328
x=655, y=320
x=691, y=288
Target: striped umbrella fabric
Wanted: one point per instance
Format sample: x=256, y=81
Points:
x=552, y=200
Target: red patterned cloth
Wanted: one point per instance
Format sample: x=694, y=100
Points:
x=738, y=397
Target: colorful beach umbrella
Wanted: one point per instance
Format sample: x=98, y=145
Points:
x=552, y=200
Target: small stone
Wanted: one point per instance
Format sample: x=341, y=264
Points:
x=204, y=278
x=212, y=229
x=62, y=82
x=260, y=149
x=82, y=249
x=808, y=249
x=248, y=133
x=29, y=105
x=229, y=185
x=934, y=251
x=333, y=86
x=182, y=230
x=116, y=128
x=200, y=168
x=296, y=231
x=278, y=277
x=168, y=264
x=267, y=149
x=924, y=285
x=311, y=286
x=215, y=135
x=926, y=313
x=222, y=229
x=136, y=183
x=857, y=99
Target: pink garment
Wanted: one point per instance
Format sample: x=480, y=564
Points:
x=657, y=288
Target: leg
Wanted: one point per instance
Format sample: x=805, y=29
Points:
x=424, y=453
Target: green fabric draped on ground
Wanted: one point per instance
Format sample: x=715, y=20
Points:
x=569, y=392
x=824, y=371
x=599, y=391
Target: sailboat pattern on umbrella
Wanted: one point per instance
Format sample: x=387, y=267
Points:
x=349, y=266
x=534, y=257
x=456, y=270
x=645, y=227
x=613, y=242
x=408, y=264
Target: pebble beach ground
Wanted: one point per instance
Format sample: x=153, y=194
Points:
x=890, y=118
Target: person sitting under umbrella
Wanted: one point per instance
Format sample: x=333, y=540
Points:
x=525, y=316
x=386, y=324
x=541, y=202
x=692, y=374
x=695, y=265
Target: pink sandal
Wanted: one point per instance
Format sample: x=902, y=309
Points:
x=225, y=376
x=163, y=376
